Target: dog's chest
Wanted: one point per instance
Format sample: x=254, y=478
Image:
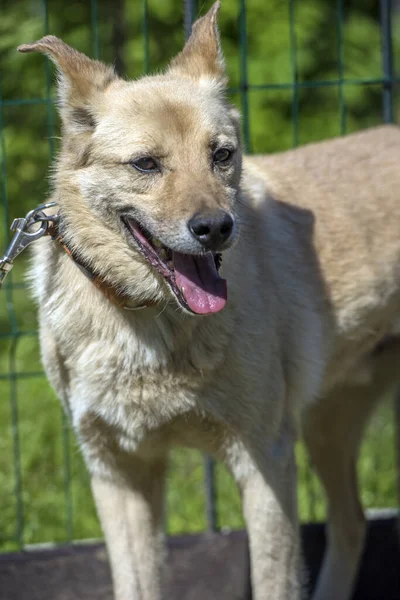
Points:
x=131, y=405
x=135, y=383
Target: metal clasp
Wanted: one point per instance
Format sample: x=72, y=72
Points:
x=23, y=237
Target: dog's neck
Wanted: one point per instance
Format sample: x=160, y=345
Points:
x=111, y=293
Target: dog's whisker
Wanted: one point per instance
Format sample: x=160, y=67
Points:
x=163, y=309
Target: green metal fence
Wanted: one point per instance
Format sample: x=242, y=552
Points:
x=300, y=71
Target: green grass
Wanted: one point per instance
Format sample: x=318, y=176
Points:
x=44, y=448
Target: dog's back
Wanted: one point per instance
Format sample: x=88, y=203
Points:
x=350, y=187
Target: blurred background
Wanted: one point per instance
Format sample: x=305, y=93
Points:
x=299, y=71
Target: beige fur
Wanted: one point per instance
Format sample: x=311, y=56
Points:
x=313, y=272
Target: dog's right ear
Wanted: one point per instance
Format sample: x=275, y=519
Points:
x=202, y=55
x=81, y=81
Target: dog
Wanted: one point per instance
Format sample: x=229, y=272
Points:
x=238, y=302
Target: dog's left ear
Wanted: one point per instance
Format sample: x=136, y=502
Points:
x=202, y=55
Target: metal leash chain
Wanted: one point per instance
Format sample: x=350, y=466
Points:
x=49, y=225
x=23, y=237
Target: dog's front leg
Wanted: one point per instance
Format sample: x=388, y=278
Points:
x=268, y=484
x=130, y=510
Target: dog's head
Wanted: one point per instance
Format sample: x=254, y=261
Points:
x=149, y=171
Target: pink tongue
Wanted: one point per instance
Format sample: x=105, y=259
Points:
x=199, y=283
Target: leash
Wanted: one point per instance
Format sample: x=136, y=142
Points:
x=23, y=237
x=37, y=224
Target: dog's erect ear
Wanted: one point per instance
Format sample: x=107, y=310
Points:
x=202, y=55
x=80, y=81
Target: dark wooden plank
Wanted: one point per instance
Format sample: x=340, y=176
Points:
x=208, y=566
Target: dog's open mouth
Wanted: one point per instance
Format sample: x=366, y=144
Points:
x=194, y=279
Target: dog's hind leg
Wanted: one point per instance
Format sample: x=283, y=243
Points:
x=266, y=475
x=333, y=430
x=333, y=446
x=130, y=511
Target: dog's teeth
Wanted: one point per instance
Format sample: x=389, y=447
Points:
x=162, y=254
x=156, y=243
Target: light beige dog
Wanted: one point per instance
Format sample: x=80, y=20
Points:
x=298, y=328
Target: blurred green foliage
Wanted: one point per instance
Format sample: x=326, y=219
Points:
x=317, y=50
x=30, y=131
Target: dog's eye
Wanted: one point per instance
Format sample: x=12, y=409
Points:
x=146, y=164
x=222, y=155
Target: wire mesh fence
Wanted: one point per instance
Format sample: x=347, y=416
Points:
x=299, y=72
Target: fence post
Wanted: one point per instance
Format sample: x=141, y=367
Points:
x=387, y=59
x=244, y=83
x=12, y=365
x=396, y=408
x=295, y=74
x=190, y=15
x=190, y=8
x=387, y=108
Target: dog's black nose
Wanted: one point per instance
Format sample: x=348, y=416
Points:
x=212, y=230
